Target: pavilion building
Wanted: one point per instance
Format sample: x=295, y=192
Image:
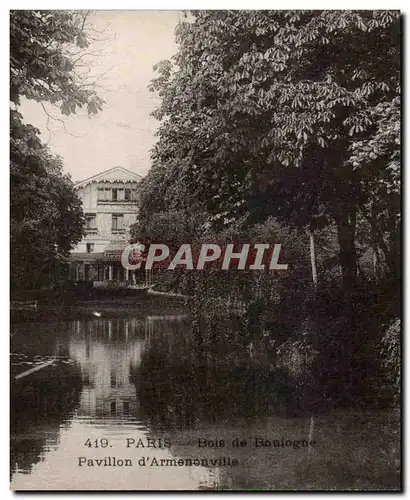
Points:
x=110, y=205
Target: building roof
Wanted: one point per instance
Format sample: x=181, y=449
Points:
x=114, y=174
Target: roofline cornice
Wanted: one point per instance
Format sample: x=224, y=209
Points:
x=97, y=177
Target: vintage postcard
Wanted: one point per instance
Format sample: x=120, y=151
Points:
x=205, y=228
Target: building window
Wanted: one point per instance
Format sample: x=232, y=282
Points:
x=130, y=194
x=101, y=194
x=90, y=224
x=90, y=221
x=117, y=194
x=117, y=222
x=106, y=194
x=90, y=247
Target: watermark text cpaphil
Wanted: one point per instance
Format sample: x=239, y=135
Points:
x=257, y=257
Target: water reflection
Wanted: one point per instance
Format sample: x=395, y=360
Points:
x=104, y=354
x=106, y=350
x=198, y=382
x=189, y=378
x=183, y=380
x=45, y=401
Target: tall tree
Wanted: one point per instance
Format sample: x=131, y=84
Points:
x=46, y=217
x=263, y=112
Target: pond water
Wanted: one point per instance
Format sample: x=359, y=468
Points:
x=110, y=400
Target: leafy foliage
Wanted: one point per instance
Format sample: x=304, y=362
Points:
x=391, y=348
x=272, y=112
x=42, y=64
x=46, y=217
x=279, y=125
x=46, y=214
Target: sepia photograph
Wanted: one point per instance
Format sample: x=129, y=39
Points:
x=205, y=250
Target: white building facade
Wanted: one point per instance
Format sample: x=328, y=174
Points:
x=110, y=205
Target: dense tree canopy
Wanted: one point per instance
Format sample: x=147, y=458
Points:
x=293, y=114
x=43, y=62
x=46, y=217
x=46, y=214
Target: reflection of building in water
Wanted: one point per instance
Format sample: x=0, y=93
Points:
x=167, y=328
x=106, y=351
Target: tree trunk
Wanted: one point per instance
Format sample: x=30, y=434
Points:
x=391, y=255
x=313, y=258
x=346, y=227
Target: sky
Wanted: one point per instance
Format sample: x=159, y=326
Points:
x=127, y=45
